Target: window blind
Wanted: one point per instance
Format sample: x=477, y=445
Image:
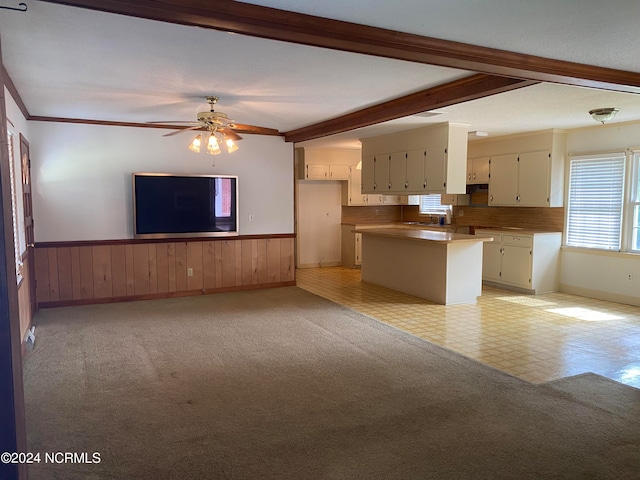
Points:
x=596, y=195
x=431, y=204
x=635, y=206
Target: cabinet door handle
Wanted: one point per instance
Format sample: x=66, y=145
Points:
x=518, y=198
x=474, y=176
x=424, y=185
x=406, y=184
x=389, y=186
x=375, y=186
x=491, y=198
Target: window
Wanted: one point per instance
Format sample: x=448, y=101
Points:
x=595, y=201
x=430, y=205
x=634, y=206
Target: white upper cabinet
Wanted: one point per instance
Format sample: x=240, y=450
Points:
x=521, y=179
x=534, y=171
x=503, y=189
x=478, y=170
x=435, y=170
x=426, y=160
x=368, y=173
x=381, y=173
x=351, y=190
x=415, y=177
x=325, y=163
x=339, y=172
x=398, y=172
x=524, y=170
x=316, y=172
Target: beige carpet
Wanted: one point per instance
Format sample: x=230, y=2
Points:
x=282, y=384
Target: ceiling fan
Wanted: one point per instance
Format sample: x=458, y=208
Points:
x=218, y=128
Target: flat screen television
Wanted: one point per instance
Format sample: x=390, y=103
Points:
x=166, y=205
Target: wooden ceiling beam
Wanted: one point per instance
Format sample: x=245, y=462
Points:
x=458, y=91
x=270, y=23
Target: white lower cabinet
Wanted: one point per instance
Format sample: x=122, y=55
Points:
x=491, y=254
x=352, y=245
x=358, y=257
x=527, y=262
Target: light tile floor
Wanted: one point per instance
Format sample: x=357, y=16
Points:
x=537, y=338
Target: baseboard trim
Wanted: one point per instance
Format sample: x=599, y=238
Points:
x=320, y=265
x=502, y=286
x=157, y=296
x=600, y=295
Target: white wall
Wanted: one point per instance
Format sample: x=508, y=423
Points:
x=599, y=274
x=82, y=178
x=18, y=125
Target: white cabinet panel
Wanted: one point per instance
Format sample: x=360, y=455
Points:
x=454, y=199
x=416, y=181
x=516, y=265
x=375, y=199
x=477, y=170
x=435, y=169
x=398, y=172
x=351, y=190
x=317, y=172
x=368, y=173
x=339, y=172
x=534, y=170
x=503, y=188
x=381, y=173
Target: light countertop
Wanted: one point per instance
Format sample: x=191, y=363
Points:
x=516, y=230
x=421, y=235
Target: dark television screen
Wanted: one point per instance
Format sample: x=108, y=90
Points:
x=189, y=205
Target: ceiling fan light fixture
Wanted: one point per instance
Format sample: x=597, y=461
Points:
x=603, y=115
x=213, y=148
x=195, y=144
x=231, y=145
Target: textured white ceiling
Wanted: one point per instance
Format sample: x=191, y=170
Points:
x=70, y=62
x=594, y=32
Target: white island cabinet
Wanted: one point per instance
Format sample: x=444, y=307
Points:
x=442, y=267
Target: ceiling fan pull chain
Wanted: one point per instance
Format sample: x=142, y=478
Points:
x=22, y=7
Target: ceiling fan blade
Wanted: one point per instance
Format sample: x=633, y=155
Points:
x=172, y=122
x=197, y=127
x=244, y=128
x=227, y=132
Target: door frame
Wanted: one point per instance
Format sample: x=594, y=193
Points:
x=29, y=233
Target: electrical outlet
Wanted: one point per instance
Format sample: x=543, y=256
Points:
x=630, y=277
x=189, y=272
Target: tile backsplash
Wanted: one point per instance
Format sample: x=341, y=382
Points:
x=549, y=219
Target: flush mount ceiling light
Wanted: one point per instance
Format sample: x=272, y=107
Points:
x=477, y=134
x=603, y=114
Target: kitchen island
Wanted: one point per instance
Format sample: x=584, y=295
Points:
x=442, y=267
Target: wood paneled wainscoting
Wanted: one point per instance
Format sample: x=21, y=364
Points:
x=75, y=273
